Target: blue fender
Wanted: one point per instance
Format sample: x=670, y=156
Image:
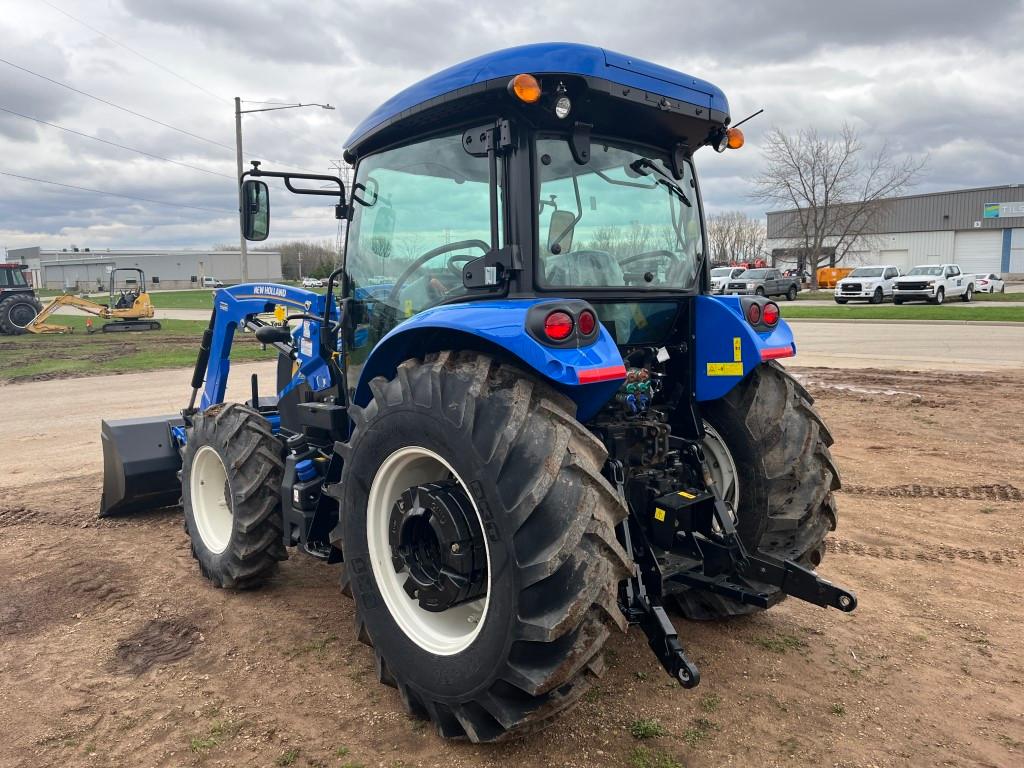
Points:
x=589, y=374
x=729, y=348
x=234, y=305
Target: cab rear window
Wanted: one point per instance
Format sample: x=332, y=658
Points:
x=638, y=322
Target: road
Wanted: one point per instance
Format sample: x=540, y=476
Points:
x=909, y=345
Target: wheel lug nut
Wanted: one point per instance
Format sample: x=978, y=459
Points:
x=456, y=548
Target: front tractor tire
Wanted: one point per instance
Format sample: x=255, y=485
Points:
x=479, y=544
x=782, y=471
x=230, y=488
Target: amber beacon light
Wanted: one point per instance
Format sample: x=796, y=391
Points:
x=525, y=88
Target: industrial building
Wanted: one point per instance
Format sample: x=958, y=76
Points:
x=982, y=230
x=84, y=269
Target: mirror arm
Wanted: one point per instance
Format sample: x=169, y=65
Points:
x=341, y=210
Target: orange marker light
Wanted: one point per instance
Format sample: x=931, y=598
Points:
x=735, y=138
x=526, y=88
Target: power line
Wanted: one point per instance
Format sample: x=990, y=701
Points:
x=114, y=194
x=115, y=144
x=132, y=50
x=117, y=106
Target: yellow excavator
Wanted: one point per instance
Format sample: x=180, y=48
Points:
x=129, y=308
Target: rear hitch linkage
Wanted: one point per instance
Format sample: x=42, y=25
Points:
x=725, y=568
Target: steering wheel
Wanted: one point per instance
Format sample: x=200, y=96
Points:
x=647, y=255
x=403, y=278
x=454, y=265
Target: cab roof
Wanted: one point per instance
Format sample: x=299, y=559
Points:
x=612, y=73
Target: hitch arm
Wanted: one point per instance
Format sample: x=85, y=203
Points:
x=799, y=582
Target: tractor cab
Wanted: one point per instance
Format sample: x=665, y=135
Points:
x=548, y=170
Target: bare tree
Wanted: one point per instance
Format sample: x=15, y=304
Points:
x=839, y=193
x=734, y=237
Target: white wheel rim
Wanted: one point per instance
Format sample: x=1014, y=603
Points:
x=443, y=633
x=723, y=468
x=207, y=489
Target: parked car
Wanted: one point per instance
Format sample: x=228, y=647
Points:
x=990, y=283
x=312, y=282
x=933, y=283
x=212, y=282
x=722, y=275
x=871, y=283
x=764, y=282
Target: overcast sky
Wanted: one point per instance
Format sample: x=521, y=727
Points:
x=942, y=78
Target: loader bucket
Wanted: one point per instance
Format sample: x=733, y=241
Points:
x=140, y=465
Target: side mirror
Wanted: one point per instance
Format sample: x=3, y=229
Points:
x=560, y=232
x=255, y=210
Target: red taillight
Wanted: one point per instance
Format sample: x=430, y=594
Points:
x=587, y=322
x=754, y=314
x=558, y=325
x=770, y=314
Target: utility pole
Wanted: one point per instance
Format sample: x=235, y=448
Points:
x=300, y=265
x=238, y=157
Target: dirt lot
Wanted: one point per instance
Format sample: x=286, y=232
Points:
x=113, y=651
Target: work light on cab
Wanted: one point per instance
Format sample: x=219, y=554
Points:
x=525, y=88
x=734, y=138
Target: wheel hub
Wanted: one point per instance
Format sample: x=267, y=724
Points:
x=435, y=535
x=22, y=314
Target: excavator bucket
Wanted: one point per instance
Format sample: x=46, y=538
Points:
x=140, y=465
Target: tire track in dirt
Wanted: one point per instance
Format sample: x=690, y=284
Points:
x=915, y=491
x=64, y=595
x=929, y=553
x=158, y=642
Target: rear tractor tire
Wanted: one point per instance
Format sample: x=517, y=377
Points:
x=17, y=311
x=230, y=487
x=777, y=447
x=479, y=544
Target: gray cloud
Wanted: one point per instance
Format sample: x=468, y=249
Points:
x=935, y=78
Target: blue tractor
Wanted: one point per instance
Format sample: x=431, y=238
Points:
x=516, y=421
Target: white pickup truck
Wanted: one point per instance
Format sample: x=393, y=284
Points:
x=871, y=283
x=933, y=283
x=722, y=275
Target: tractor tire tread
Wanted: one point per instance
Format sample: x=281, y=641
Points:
x=254, y=465
x=563, y=517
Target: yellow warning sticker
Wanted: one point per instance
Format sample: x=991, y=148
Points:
x=685, y=495
x=725, y=369
x=737, y=350
x=659, y=514
x=408, y=307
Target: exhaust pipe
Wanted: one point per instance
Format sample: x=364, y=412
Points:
x=140, y=465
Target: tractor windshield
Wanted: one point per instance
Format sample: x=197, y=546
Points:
x=621, y=220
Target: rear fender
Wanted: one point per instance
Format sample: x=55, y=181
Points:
x=729, y=347
x=589, y=374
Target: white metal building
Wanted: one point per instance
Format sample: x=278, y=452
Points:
x=85, y=269
x=982, y=230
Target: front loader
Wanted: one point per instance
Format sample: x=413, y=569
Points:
x=522, y=424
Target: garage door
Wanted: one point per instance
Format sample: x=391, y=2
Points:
x=1017, y=251
x=899, y=259
x=980, y=251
